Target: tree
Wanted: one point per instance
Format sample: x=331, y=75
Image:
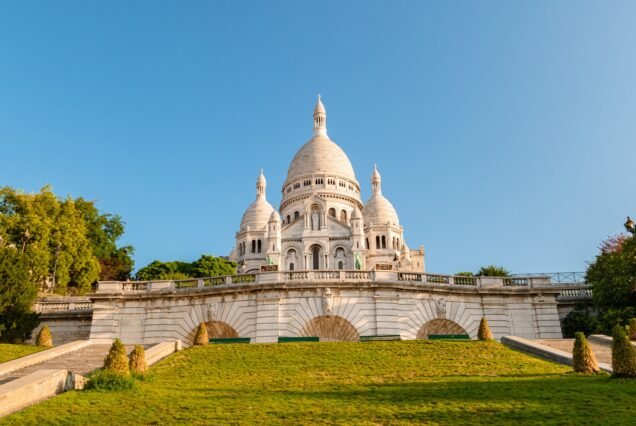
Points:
x=67, y=243
x=493, y=271
x=464, y=274
x=613, y=279
x=582, y=318
x=205, y=266
x=623, y=354
x=18, y=292
x=583, y=359
x=103, y=231
x=484, y=332
x=632, y=329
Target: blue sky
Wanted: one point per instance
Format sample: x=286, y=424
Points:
x=505, y=132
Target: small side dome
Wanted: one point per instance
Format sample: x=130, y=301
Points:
x=378, y=210
x=274, y=217
x=257, y=215
x=260, y=211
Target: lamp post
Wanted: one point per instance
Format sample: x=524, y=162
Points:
x=630, y=226
x=25, y=238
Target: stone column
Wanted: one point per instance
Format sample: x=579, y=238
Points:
x=267, y=319
x=387, y=312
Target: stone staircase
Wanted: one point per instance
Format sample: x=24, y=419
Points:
x=602, y=352
x=81, y=361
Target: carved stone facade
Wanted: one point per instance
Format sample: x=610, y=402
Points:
x=323, y=223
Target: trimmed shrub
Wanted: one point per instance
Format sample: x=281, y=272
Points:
x=201, y=338
x=583, y=359
x=44, y=337
x=623, y=354
x=137, y=362
x=105, y=380
x=116, y=361
x=484, y=332
x=632, y=329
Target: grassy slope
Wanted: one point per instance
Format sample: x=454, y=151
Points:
x=380, y=382
x=9, y=352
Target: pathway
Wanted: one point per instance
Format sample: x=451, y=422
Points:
x=602, y=352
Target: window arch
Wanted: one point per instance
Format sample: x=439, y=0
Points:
x=332, y=212
x=259, y=246
x=288, y=219
x=291, y=266
x=253, y=246
x=383, y=242
x=296, y=215
x=340, y=252
x=377, y=242
x=340, y=265
x=343, y=216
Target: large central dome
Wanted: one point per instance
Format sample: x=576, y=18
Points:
x=320, y=155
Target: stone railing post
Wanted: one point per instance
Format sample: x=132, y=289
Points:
x=451, y=280
x=228, y=279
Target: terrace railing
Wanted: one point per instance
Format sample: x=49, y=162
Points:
x=44, y=306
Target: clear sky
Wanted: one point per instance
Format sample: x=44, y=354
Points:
x=505, y=131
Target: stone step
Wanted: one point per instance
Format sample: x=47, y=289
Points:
x=81, y=361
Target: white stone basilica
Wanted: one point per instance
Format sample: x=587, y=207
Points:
x=324, y=225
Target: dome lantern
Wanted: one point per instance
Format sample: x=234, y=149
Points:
x=320, y=118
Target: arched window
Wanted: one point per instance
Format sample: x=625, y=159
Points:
x=296, y=215
x=343, y=216
x=315, y=254
x=340, y=265
x=377, y=242
x=367, y=242
x=288, y=219
x=397, y=242
x=332, y=212
x=291, y=266
x=259, y=246
x=383, y=242
x=357, y=244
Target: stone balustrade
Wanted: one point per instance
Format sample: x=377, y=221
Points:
x=355, y=276
x=44, y=305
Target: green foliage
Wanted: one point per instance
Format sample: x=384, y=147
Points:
x=201, y=337
x=116, y=361
x=465, y=274
x=493, y=271
x=623, y=354
x=613, y=276
x=484, y=332
x=632, y=329
x=67, y=243
x=44, y=337
x=583, y=359
x=582, y=318
x=18, y=292
x=205, y=266
x=137, y=363
x=401, y=383
x=106, y=380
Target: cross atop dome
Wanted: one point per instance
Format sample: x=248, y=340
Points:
x=320, y=118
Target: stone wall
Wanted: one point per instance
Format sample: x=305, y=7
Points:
x=264, y=312
x=65, y=326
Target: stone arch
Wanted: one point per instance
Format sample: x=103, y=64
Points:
x=331, y=329
x=439, y=326
x=220, y=330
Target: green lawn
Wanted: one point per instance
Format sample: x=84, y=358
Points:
x=350, y=383
x=9, y=352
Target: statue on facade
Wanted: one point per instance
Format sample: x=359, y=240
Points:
x=358, y=262
x=327, y=301
x=440, y=307
x=315, y=221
